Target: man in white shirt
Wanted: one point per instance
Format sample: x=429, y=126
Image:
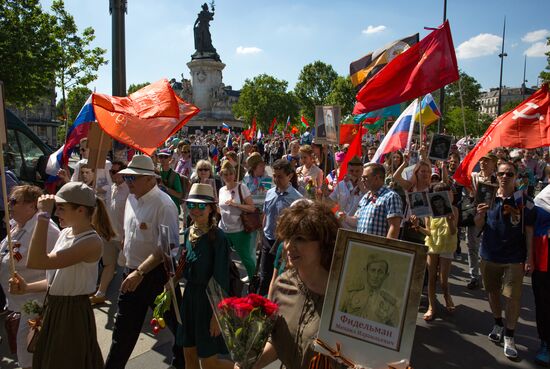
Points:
x=349, y=192
x=147, y=208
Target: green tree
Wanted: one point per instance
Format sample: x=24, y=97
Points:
x=138, y=86
x=510, y=105
x=545, y=74
x=343, y=94
x=28, y=51
x=476, y=123
x=78, y=63
x=471, y=92
x=314, y=85
x=75, y=100
x=265, y=97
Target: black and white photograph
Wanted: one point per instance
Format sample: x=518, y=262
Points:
x=198, y=153
x=327, y=119
x=372, y=298
x=419, y=204
x=440, y=147
x=486, y=193
x=440, y=204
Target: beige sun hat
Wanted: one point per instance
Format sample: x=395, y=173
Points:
x=76, y=193
x=140, y=165
x=201, y=193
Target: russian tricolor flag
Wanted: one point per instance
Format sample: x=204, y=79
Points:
x=400, y=134
x=225, y=127
x=77, y=131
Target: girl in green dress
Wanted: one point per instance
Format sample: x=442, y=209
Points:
x=207, y=256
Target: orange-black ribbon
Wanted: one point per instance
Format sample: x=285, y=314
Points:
x=335, y=353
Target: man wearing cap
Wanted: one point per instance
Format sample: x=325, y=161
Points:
x=147, y=208
x=349, y=192
x=171, y=183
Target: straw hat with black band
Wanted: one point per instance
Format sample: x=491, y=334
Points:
x=201, y=193
x=140, y=165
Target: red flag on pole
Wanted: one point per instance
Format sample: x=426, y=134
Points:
x=353, y=150
x=423, y=68
x=348, y=132
x=273, y=123
x=294, y=130
x=146, y=118
x=526, y=127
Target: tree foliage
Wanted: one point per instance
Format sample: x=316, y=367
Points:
x=471, y=92
x=476, y=122
x=510, y=105
x=343, y=94
x=75, y=100
x=78, y=63
x=265, y=97
x=28, y=51
x=315, y=83
x=138, y=86
x=545, y=74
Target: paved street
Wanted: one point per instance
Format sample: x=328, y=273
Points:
x=450, y=341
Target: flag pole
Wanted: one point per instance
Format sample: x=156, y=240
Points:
x=462, y=105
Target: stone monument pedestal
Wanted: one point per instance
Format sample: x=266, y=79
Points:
x=206, y=78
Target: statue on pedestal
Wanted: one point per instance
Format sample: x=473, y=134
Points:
x=203, y=39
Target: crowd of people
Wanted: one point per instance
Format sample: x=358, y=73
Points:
x=223, y=203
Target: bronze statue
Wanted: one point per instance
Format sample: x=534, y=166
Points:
x=203, y=39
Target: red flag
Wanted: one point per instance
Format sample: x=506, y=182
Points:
x=526, y=127
x=304, y=121
x=423, y=68
x=348, y=132
x=273, y=122
x=353, y=150
x=146, y=118
x=294, y=130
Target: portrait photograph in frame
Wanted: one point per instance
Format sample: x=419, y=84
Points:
x=198, y=152
x=327, y=119
x=419, y=204
x=440, y=146
x=441, y=204
x=372, y=299
x=486, y=193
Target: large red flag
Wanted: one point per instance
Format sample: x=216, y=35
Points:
x=353, y=150
x=348, y=132
x=146, y=118
x=526, y=127
x=273, y=122
x=423, y=68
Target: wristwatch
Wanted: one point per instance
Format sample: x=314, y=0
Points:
x=140, y=272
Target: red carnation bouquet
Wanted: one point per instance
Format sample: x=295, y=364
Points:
x=245, y=322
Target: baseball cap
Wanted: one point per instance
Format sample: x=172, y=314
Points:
x=76, y=193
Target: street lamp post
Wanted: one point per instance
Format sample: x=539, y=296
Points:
x=502, y=55
x=118, y=9
x=442, y=89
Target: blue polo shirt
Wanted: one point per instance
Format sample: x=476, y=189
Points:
x=275, y=202
x=503, y=238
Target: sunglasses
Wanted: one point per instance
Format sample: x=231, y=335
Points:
x=507, y=174
x=204, y=169
x=193, y=205
x=130, y=177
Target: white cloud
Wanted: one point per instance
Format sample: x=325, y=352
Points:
x=514, y=45
x=480, y=45
x=538, y=49
x=248, y=50
x=373, y=29
x=535, y=36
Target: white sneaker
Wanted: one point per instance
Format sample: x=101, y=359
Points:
x=510, y=350
x=496, y=333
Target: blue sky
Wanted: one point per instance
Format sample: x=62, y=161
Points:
x=280, y=37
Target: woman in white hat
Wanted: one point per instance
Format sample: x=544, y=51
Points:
x=68, y=334
x=207, y=256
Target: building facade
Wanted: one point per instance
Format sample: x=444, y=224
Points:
x=488, y=101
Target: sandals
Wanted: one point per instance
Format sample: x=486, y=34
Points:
x=450, y=306
x=429, y=316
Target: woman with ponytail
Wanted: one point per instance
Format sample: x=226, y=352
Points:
x=68, y=336
x=207, y=256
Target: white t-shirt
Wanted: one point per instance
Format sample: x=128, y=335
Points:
x=231, y=216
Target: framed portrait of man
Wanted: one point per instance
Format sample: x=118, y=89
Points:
x=372, y=299
x=440, y=147
x=327, y=119
x=198, y=152
x=486, y=193
x=441, y=204
x=419, y=204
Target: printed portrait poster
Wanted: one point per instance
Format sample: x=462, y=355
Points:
x=372, y=299
x=327, y=119
x=486, y=193
x=441, y=204
x=198, y=153
x=419, y=204
x=440, y=147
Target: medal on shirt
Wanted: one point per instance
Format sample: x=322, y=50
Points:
x=143, y=226
x=16, y=254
